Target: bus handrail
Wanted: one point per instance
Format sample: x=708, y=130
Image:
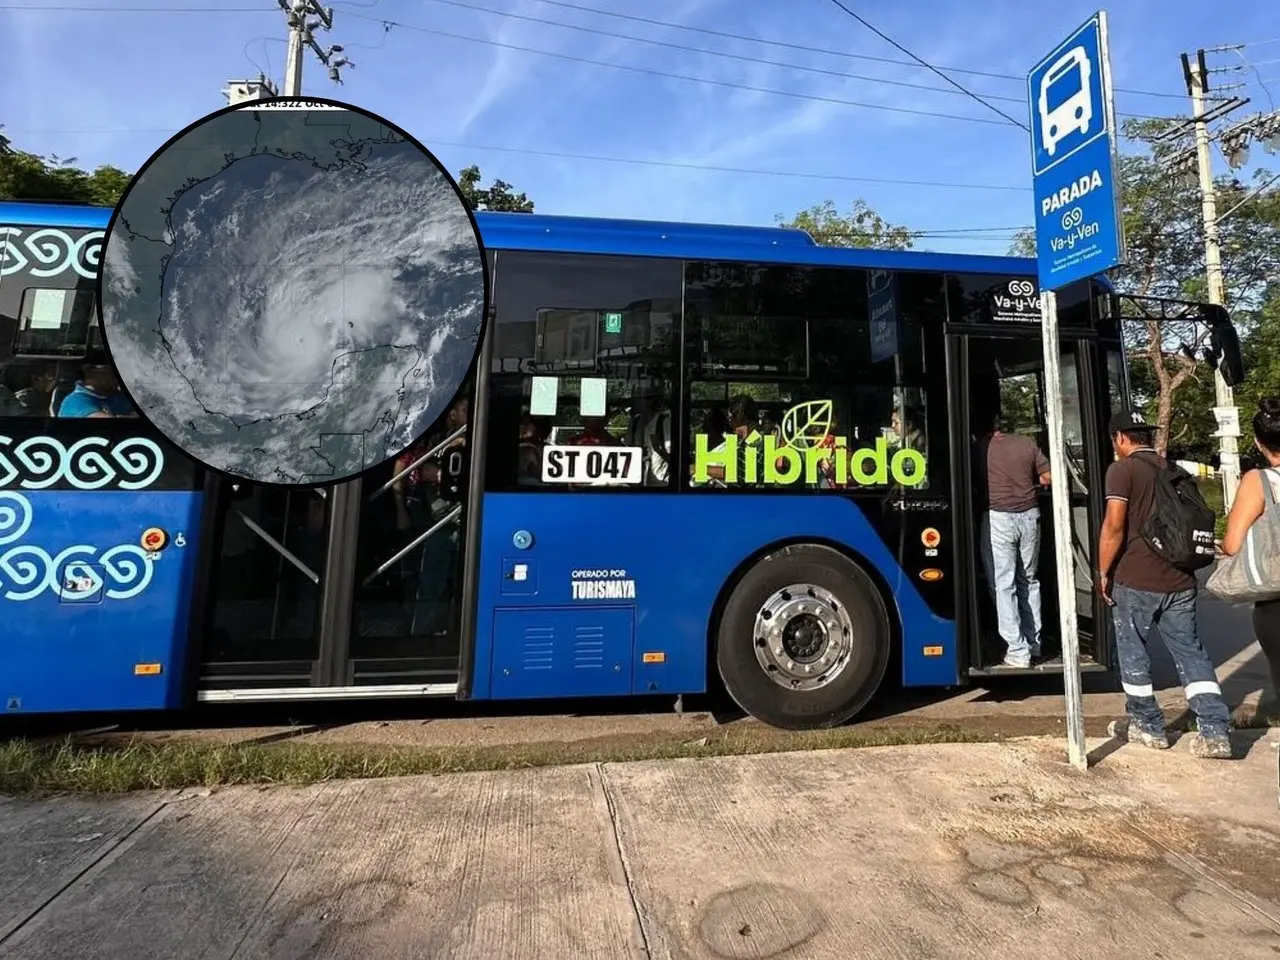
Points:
x=417, y=463
x=279, y=547
x=412, y=545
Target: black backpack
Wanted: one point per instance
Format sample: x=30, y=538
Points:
x=1179, y=527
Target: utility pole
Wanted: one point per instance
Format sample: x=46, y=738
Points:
x=304, y=18
x=1197, y=77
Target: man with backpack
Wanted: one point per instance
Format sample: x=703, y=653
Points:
x=1156, y=534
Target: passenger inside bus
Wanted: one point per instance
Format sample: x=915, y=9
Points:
x=424, y=492
x=656, y=440
x=769, y=426
x=827, y=479
x=97, y=394
x=26, y=389
x=533, y=439
x=905, y=429
x=595, y=433
x=744, y=419
x=715, y=425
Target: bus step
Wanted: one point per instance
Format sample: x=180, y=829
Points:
x=1051, y=665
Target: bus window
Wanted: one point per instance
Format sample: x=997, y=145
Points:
x=55, y=322
x=848, y=371
x=583, y=372
x=1117, y=387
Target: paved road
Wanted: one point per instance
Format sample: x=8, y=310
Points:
x=957, y=851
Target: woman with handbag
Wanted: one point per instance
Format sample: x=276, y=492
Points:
x=1251, y=570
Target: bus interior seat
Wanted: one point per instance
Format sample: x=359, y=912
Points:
x=60, y=390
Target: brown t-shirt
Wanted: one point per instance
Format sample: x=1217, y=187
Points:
x=1139, y=567
x=1013, y=464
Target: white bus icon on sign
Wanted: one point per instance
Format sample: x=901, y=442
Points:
x=1074, y=112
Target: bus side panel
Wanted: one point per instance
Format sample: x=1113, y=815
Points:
x=94, y=620
x=553, y=616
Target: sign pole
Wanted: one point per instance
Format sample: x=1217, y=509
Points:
x=1060, y=492
x=1079, y=236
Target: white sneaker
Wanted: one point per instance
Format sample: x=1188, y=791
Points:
x=1011, y=661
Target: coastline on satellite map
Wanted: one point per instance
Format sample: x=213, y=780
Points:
x=292, y=295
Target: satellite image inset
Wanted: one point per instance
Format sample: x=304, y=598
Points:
x=292, y=295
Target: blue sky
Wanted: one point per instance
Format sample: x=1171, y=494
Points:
x=110, y=87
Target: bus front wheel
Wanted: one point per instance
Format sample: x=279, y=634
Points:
x=803, y=642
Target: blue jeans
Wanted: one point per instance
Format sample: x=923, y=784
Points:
x=1136, y=612
x=1011, y=556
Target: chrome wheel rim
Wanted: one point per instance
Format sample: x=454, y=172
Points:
x=803, y=637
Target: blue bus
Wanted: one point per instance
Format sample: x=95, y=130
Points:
x=688, y=455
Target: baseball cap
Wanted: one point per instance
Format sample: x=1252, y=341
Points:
x=96, y=358
x=1130, y=421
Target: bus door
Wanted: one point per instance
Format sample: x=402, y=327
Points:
x=1003, y=374
x=350, y=590
x=269, y=582
x=406, y=601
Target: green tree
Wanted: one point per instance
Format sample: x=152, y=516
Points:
x=863, y=227
x=499, y=195
x=1261, y=349
x=1164, y=232
x=1024, y=243
x=29, y=176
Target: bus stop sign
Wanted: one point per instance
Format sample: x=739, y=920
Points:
x=1079, y=233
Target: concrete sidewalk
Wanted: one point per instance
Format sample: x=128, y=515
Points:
x=984, y=851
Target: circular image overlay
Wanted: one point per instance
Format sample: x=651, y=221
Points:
x=292, y=291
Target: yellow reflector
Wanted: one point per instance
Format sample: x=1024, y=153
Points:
x=933, y=651
x=146, y=669
x=655, y=658
x=930, y=574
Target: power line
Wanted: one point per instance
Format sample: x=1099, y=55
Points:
x=597, y=158
x=924, y=63
x=957, y=233
x=743, y=58
x=389, y=24
x=1258, y=76
x=994, y=230
x=805, y=48
x=710, y=53
x=747, y=171
x=80, y=8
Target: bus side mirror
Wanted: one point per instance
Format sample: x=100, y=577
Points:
x=1224, y=344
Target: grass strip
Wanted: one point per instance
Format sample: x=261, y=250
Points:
x=28, y=767
x=124, y=763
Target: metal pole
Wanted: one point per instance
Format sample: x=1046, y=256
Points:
x=1077, y=751
x=1228, y=454
x=293, y=58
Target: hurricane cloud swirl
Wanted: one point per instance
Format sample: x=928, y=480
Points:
x=302, y=317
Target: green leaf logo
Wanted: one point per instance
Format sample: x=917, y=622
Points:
x=806, y=424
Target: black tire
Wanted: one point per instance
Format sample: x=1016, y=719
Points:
x=848, y=692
